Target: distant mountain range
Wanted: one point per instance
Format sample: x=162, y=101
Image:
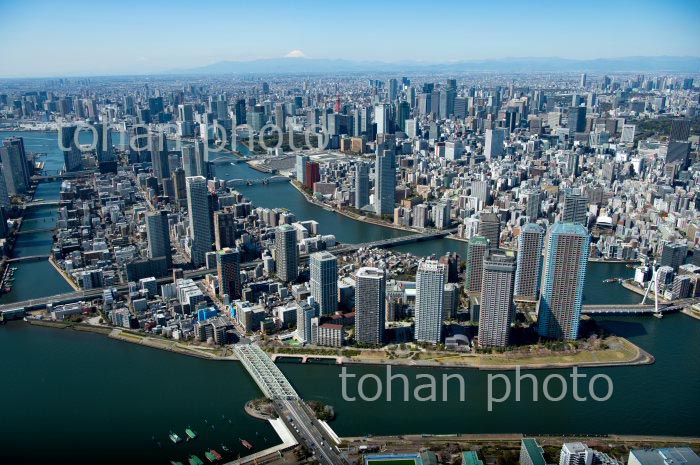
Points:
x=303, y=65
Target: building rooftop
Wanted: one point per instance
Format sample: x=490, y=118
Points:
x=667, y=456
x=569, y=228
x=535, y=452
x=470, y=458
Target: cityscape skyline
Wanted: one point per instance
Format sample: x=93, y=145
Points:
x=471, y=31
x=350, y=235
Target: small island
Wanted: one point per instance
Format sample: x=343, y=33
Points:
x=261, y=408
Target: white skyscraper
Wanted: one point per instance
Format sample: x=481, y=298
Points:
x=200, y=220
x=430, y=304
x=411, y=128
x=493, y=147
x=324, y=281
x=627, y=133
x=305, y=313
x=381, y=117
x=301, y=162
x=370, y=298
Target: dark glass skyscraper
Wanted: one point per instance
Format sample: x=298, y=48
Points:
x=72, y=157
x=14, y=165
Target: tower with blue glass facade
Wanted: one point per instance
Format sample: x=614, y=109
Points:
x=568, y=247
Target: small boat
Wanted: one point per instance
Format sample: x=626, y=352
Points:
x=246, y=444
x=659, y=315
x=224, y=448
x=173, y=462
x=174, y=438
x=194, y=460
x=610, y=280
x=215, y=454
x=211, y=457
x=190, y=434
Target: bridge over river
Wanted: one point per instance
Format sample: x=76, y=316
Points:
x=316, y=435
x=638, y=309
x=250, y=182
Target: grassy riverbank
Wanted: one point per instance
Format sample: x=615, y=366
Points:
x=614, y=351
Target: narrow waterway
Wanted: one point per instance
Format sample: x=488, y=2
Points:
x=38, y=278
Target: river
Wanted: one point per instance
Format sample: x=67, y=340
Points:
x=85, y=396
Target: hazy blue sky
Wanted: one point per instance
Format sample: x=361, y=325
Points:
x=48, y=38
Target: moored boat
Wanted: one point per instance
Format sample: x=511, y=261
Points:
x=174, y=437
x=246, y=444
x=215, y=454
x=190, y=433
x=210, y=456
x=194, y=460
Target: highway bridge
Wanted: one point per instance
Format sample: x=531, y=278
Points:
x=291, y=408
x=62, y=176
x=32, y=231
x=265, y=373
x=250, y=182
x=638, y=309
x=41, y=202
x=28, y=258
x=392, y=242
x=635, y=309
